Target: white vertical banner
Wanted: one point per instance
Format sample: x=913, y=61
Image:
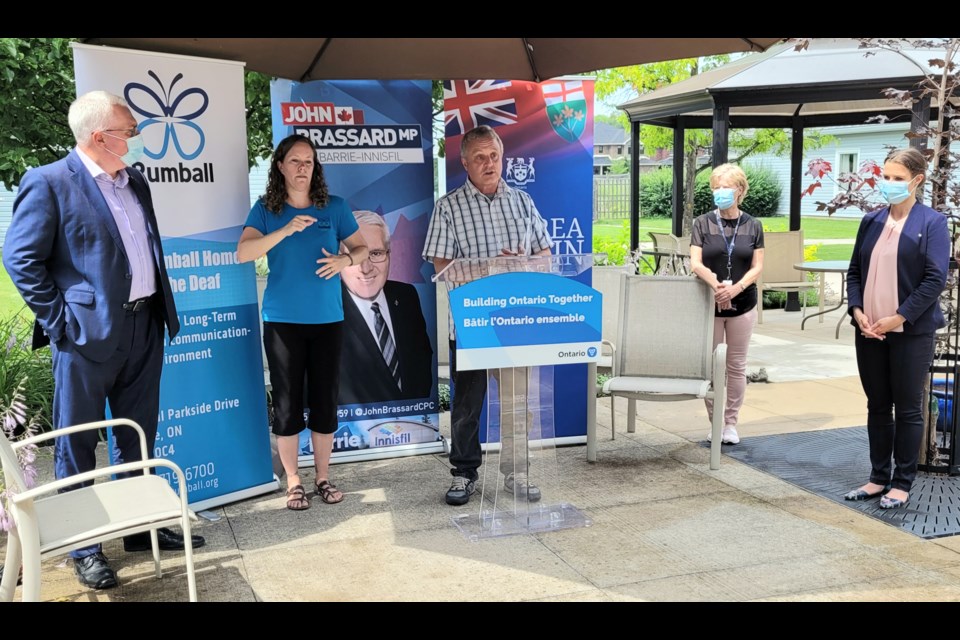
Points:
x=213, y=417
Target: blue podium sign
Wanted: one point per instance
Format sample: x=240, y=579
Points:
x=525, y=319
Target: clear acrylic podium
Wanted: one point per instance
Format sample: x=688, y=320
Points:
x=520, y=485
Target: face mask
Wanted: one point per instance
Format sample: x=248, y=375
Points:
x=895, y=192
x=724, y=198
x=134, y=149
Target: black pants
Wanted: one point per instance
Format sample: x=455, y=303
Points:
x=893, y=372
x=469, y=391
x=295, y=351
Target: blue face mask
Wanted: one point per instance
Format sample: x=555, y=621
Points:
x=724, y=198
x=895, y=192
x=134, y=149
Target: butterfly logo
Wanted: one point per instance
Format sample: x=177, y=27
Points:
x=175, y=112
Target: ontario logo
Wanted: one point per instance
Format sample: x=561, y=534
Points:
x=340, y=134
x=520, y=171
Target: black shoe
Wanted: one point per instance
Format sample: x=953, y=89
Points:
x=461, y=490
x=94, y=572
x=167, y=540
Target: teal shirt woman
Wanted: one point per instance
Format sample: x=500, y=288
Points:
x=300, y=227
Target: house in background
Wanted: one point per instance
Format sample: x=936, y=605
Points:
x=610, y=142
x=853, y=146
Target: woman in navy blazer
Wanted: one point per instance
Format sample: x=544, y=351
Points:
x=897, y=273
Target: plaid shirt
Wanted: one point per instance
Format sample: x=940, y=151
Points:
x=468, y=224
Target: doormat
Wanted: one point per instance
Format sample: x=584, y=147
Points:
x=830, y=463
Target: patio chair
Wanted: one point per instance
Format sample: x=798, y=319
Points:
x=782, y=250
x=50, y=523
x=666, y=246
x=664, y=348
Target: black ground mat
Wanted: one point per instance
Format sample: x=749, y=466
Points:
x=832, y=462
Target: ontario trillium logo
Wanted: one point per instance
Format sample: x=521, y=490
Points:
x=169, y=117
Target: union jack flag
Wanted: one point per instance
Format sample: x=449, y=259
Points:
x=471, y=103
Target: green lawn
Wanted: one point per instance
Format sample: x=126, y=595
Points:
x=10, y=301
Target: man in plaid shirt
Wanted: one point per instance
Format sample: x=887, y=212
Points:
x=484, y=218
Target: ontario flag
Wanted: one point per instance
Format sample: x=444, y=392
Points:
x=566, y=107
x=471, y=103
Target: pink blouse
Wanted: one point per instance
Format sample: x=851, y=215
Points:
x=880, y=296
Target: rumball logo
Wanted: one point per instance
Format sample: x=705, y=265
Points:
x=169, y=117
x=341, y=135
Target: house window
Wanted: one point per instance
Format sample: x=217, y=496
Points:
x=849, y=162
x=620, y=150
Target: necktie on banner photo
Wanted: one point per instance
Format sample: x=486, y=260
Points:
x=387, y=347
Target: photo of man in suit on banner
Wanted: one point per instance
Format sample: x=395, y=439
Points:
x=386, y=350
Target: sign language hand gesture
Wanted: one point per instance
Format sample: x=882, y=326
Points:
x=332, y=264
x=298, y=224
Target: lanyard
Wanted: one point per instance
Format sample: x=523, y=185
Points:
x=728, y=245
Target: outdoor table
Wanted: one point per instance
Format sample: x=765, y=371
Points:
x=824, y=267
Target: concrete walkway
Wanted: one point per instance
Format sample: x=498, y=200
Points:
x=664, y=526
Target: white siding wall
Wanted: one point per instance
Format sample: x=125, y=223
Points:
x=869, y=141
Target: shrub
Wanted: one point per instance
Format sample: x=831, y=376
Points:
x=25, y=371
x=656, y=193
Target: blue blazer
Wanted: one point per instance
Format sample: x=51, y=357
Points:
x=922, y=258
x=64, y=253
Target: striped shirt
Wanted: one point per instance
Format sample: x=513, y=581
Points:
x=468, y=224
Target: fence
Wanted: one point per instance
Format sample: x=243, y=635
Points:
x=611, y=197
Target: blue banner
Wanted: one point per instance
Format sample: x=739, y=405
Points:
x=525, y=319
x=374, y=140
x=547, y=133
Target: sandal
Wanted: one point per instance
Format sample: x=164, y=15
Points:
x=297, y=498
x=328, y=491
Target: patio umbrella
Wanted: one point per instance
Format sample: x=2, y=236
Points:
x=535, y=59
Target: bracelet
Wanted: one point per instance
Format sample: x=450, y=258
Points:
x=349, y=256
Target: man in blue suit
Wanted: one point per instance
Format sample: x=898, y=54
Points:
x=83, y=249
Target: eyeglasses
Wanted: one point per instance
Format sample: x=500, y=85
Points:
x=377, y=255
x=130, y=132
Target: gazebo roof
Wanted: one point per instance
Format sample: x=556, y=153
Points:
x=833, y=81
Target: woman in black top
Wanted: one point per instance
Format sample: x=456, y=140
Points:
x=726, y=252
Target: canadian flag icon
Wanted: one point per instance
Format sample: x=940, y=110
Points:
x=348, y=115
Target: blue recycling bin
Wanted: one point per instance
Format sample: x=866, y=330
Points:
x=938, y=387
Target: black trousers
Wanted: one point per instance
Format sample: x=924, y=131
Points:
x=469, y=391
x=893, y=372
x=298, y=352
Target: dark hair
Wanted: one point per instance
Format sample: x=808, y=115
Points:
x=911, y=159
x=276, y=194
x=478, y=133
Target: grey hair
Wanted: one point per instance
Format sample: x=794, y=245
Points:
x=92, y=112
x=376, y=220
x=483, y=132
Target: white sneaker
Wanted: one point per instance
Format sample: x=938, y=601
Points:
x=730, y=436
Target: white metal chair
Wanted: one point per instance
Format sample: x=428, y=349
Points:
x=50, y=523
x=664, y=348
x=782, y=250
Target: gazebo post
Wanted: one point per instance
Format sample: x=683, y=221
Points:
x=634, y=186
x=678, y=153
x=721, y=134
x=796, y=180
